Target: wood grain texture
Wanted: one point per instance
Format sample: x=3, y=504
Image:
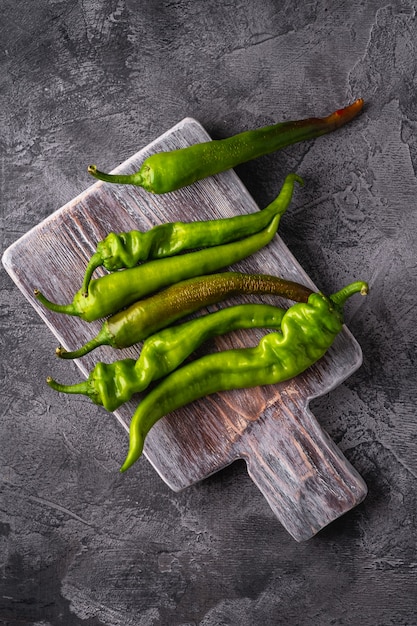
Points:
x=303, y=475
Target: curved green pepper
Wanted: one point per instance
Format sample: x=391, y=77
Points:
x=168, y=171
x=147, y=316
x=113, y=292
x=113, y=384
x=125, y=250
x=307, y=332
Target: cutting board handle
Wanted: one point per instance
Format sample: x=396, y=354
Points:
x=304, y=476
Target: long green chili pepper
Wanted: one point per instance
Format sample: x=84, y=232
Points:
x=112, y=292
x=307, y=332
x=127, y=249
x=147, y=316
x=167, y=171
x=113, y=384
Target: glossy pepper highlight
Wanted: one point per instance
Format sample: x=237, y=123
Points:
x=307, y=332
x=145, y=317
x=113, y=384
x=167, y=171
x=125, y=250
x=113, y=292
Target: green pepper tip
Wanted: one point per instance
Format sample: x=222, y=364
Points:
x=135, y=449
x=125, y=466
x=128, y=463
x=299, y=180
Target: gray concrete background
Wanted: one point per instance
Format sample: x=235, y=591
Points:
x=96, y=80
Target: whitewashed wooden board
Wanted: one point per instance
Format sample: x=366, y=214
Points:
x=305, y=478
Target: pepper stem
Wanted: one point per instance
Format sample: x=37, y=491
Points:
x=339, y=298
x=77, y=354
x=103, y=338
x=132, y=179
x=284, y=197
x=77, y=388
x=52, y=306
x=95, y=262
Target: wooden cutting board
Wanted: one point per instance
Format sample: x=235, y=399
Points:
x=303, y=475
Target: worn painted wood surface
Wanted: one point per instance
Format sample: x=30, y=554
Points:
x=303, y=475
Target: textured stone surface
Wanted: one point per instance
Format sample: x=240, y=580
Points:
x=95, y=80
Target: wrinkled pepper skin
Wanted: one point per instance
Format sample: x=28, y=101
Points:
x=307, y=331
x=167, y=171
x=125, y=250
x=147, y=316
x=113, y=384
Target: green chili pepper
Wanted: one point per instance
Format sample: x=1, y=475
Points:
x=145, y=317
x=113, y=292
x=112, y=384
x=307, y=332
x=168, y=171
x=127, y=249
